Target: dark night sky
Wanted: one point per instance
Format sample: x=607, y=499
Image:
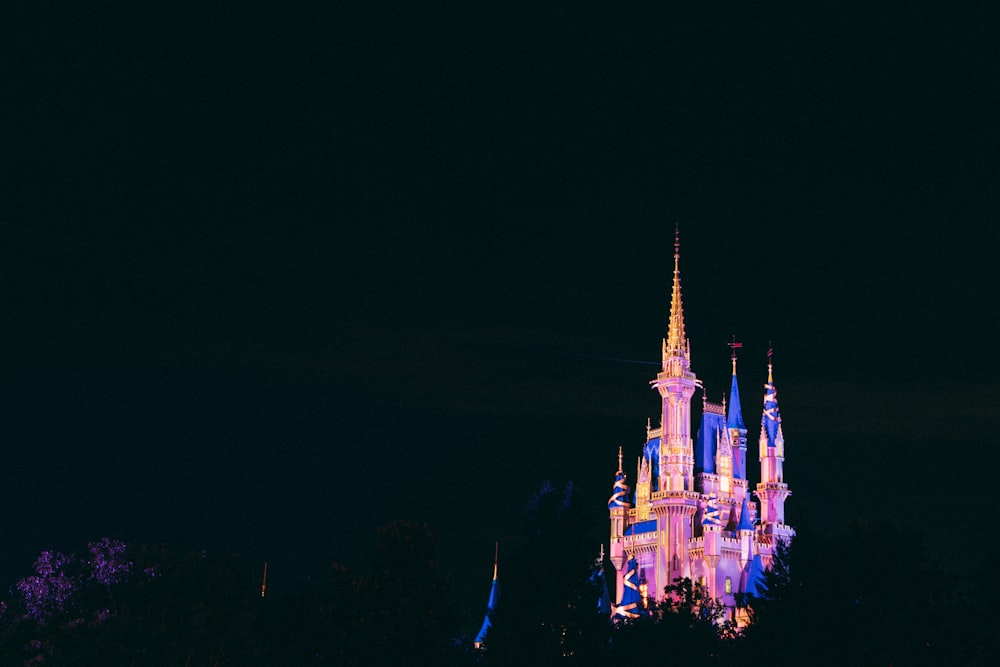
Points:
x=277, y=276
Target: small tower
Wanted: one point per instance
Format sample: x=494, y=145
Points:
x=618, y=506
x=734, y=422
x=744, y=532
x=712, y=526
x=772, y=490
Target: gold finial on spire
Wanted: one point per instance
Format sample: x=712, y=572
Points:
x=676, y=343
x=770, y=353
x=496, y=558
x=619, y=458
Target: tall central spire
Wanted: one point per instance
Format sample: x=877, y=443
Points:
x=676, y=343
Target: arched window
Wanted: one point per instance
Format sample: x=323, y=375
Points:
x=729, y=585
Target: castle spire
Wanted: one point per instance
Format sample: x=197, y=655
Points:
x=734, y=418
x=676, y=343
x=619, y=492
x=770, y=421
x=491, y=606
x=772, y=489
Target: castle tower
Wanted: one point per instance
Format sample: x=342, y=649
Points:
x=712, y=526
x=734, y=424
x=618, y=507
x=772, y=490
x=676, y=384
x=675, y=501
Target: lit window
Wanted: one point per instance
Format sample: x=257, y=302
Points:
x=729, y=585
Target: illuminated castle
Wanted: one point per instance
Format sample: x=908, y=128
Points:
x=691, y=514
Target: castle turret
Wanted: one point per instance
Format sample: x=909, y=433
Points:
x=618, y=506
x=735, y=426
x=744, y=532
x=772, y=490
x=712, y=525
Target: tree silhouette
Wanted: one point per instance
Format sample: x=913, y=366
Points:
x=548, y=611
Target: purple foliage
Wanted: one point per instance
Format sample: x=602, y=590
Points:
x=48, y=591
x=59, y=577
x=108, y=563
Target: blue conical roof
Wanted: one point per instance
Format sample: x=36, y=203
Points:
x=619, y=494
x=630, y=605
x=490, y=606
x=755, y=578
x=735, y=417
x=745, y=516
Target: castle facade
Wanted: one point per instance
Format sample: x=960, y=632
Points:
x=690, y=514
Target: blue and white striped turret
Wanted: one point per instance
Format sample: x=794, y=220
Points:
x=630, y=605
x=770, y=420
x=712, y=517
x=619, y=493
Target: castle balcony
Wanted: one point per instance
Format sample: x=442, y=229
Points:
x=676, y=495
x=631, y=541
x=772, y=486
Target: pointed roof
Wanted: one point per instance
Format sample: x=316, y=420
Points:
x=675, y=344
x=492, y=604
x=770, y=420
x=597, y=578
x=735, y=416
x=755, y=578
x=630, y=606
x=619, y=493
x=745, y=523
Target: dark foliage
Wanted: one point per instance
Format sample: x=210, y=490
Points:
x=687, y=625
x=549, y=606
x=866, y=598
x=207, y=610
x=197, y=609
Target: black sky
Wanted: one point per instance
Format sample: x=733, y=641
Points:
x=279, y=275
